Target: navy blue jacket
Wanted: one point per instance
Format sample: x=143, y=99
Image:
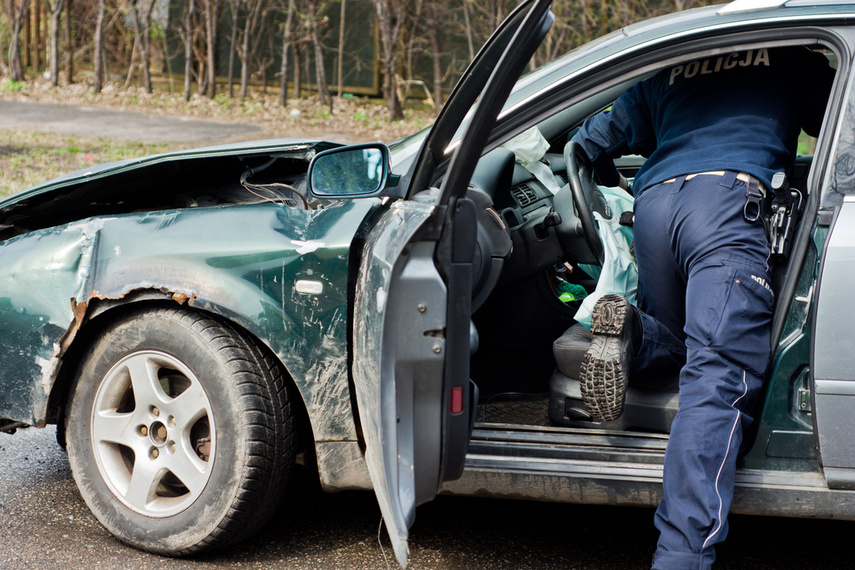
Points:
x=741, y=111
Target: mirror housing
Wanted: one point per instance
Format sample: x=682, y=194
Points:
x=349, y=171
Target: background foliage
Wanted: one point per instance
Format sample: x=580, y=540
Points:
x=285, y=48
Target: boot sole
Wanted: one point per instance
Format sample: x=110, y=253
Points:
x=605, y=368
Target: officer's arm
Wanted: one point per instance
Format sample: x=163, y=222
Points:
x=601, y=139
x=619, y=131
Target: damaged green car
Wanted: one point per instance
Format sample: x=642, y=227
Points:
x=196, y=324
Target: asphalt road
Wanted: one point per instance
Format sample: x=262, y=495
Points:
x=45, y=525
x=121, y=125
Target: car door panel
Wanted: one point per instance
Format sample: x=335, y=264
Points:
x=399, y=345
x=412, y=311
x=833, y=359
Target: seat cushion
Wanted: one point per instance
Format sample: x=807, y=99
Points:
x=570, y=348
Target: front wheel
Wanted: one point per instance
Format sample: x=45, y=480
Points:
x=179, y=431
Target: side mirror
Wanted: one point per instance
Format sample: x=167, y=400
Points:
x=350, y=171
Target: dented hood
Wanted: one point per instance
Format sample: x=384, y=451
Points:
x=108, y=169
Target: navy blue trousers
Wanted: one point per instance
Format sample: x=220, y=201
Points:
x=706, y=304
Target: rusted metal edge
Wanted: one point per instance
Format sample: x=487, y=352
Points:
x=80, y=309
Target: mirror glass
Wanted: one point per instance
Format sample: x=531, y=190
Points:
x=349, y=172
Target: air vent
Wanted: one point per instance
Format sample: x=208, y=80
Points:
x=524, y=195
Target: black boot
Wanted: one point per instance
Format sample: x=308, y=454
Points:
x=616, y=331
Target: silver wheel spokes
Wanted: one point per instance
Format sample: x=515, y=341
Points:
x=153, y=433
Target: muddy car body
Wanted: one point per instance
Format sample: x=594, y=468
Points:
x=363, y=308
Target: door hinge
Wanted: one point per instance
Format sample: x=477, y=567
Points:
x=803, y=396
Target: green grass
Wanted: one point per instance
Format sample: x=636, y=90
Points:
x=11, y=85
x=29, y=158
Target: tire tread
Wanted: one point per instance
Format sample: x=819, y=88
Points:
x=266, y=416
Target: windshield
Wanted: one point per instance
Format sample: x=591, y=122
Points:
x=404, y=150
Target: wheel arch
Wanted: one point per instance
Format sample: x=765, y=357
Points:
x=337, y=460
x=101, y=313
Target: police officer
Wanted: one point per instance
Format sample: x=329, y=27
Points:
x=715, y=131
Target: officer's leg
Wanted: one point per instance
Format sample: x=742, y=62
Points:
x=729, y=307
x=629, y=342
x=661, y=285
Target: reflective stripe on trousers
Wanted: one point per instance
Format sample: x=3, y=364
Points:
x=706, y=300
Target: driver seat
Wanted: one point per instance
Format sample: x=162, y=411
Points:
x=644, y=409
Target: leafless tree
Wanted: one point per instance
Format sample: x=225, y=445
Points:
x=55, y=7
x=16, y=11
x=250, y=41
x=236, y=6
x=98, y=55
x=69, y=45
x=187, y=31
x=140, y=13
x=320, y=75
x=212, y=17
x=287, y=36
x=433, y=27
x=342, y=24
x=37, y=34
x=390, y=16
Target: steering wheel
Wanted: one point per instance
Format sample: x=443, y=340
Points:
x=587, y=199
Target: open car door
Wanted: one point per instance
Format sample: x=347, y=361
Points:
x=412, y=313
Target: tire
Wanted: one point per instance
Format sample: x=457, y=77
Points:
x=180, y=433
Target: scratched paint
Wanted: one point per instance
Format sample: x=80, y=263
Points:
x=241, y=262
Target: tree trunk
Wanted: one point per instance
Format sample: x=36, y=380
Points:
x=341, y=47
x=233, y=45
x=132, y=66
x=135, y=48
x=244, y=56
x=390, y=18
x=436, y=51
x=55, y=15
x=307, y=62
x=37, y=35
x=468, y=21
x=212, y=17
x=286, y=49
x=320, y=75
x=298, y=82
x=188, y=48
x=167, y=58
x=148, y=7
x=27, y=36
x=99, y=48
x=253, y=14
x=15, y=13
x=69, y=46
x=264, y=66
x=142, y=41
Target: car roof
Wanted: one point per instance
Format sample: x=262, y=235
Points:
x=754, y=5
x=678, y=26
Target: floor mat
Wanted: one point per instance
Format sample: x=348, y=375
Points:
x=515, y=408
